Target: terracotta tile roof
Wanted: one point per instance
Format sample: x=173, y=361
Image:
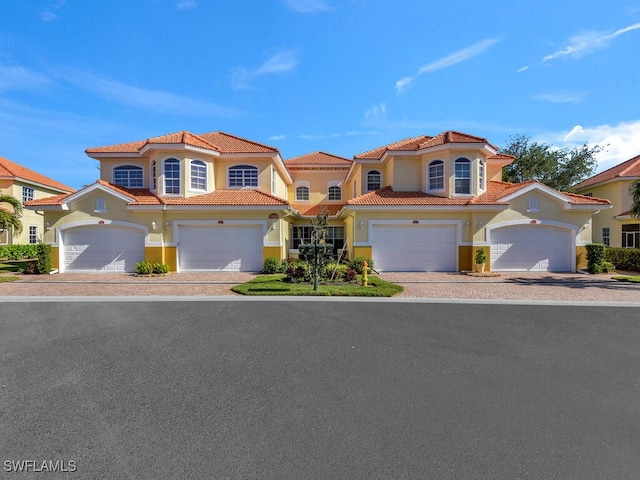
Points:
x=422, y=142
x=10, y=169
x=55, y=200
x=496, y=191
x=215, y=141
x=630, y=168
x=318, y=158
x=307, y=210
x=501, y=156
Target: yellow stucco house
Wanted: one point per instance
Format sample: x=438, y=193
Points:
x=615, y=227
x=25, y=185
x=215, y=201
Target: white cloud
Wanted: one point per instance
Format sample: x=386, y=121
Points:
x=621, y=142
x=279, y=63
x=50, y=14
x=375, y=114
x=20, y=78
x=277, y=137
x=186, y=4
x=448, y=61
x=143, y=99
x=523, y=69
x=589, y=42
x=561, y=97
x=308, y=6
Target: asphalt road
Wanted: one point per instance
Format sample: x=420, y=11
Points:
x=297, y=390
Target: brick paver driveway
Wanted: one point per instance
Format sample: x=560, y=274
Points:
x=508, y=286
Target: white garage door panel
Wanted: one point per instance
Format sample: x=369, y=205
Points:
x=531, y=248
x=415, y=248
x=220, y=248
x=102, y=249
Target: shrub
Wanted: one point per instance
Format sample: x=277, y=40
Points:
x=350, y=275
x=481, y=256
x=297, y=273
x=160, y=268
x=272, y=265
x=624, y=258
x=356, y=264
x=43, y=264
x=608, y=267
x=595, y=257
x=144, y=268
x=330, y=268
x=18, y=251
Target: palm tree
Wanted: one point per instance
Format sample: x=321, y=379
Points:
x=10, y=213
x=634, y=191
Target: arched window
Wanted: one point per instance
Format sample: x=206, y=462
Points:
x=302, y=194
x=172, y=176
x=101, y=205
x=335, y=193
x=128, y=176
x=436, y=175
x=243, y=176
x=198, y=175
x=462, y=170
x=533, y=204
x=374, y=180
x=154, y=178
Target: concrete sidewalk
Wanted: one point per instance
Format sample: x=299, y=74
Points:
x=508, y=286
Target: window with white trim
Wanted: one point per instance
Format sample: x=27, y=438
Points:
x=462, y=172
x=33, y=234
x=198, y=175
x=27, y=194
x=335, y=193
x=128, y=176
x=302, y=234
x=374, y=180
x=481, y=178
x=154, y=178
x=101, y=205
x=243, y=176
x=436, y=175
x=533, y=204
x=274, y=181
x=302, y=194
x=606, y=236
x=172, y=176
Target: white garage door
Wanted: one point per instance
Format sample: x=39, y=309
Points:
x=230, y=248
x=531, y=248
x=102, y=249
x=415, y=248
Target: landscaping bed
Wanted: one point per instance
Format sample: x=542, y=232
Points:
x=278, y=285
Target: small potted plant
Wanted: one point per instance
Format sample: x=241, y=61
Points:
x=481, y=260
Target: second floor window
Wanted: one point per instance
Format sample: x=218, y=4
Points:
x=198, y=175
x=481, y=179
x=436, y=175
x=302, y=194
x=335, y=193
x=172, y=176
x=27, y=194
x=374, y=180
x=128, y=176
x=462, y=171
x=243, y=176
x=154, y=179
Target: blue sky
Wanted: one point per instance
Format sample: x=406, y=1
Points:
x=341, y=76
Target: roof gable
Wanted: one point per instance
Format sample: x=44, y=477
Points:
x=630, y=168
x=318, y=158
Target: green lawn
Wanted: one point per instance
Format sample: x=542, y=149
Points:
x=628, y=278
x=275, y=285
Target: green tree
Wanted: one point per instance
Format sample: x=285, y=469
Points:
x=634, y=191
x=10, y=213
x=558, y=168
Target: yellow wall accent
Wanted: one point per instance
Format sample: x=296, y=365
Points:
x=275, y=252
x=581, y=257
x=55, y=257
x=154, y=254
x=362, y=252
x=465, y=257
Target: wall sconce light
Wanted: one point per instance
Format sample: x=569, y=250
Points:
x=586, y=225
x=167, y=225
x=47, y=226
x=153, y=225
x=361, y=225
x=415, y=221
x=466, y=224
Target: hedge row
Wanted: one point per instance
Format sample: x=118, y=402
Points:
x=39, y=252
x=624, y=258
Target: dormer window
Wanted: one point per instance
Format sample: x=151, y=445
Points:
x=462, y=171
x=172, y=176
x=243, y=176
x=436, y=175
x=533, y=204
x=128, y=176
x=101, y=205
x=302, y=194
x=374, y=180
x=198, y=175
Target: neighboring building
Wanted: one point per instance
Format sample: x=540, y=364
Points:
x=219, y=202
x=615, y=228
x=26, y=185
